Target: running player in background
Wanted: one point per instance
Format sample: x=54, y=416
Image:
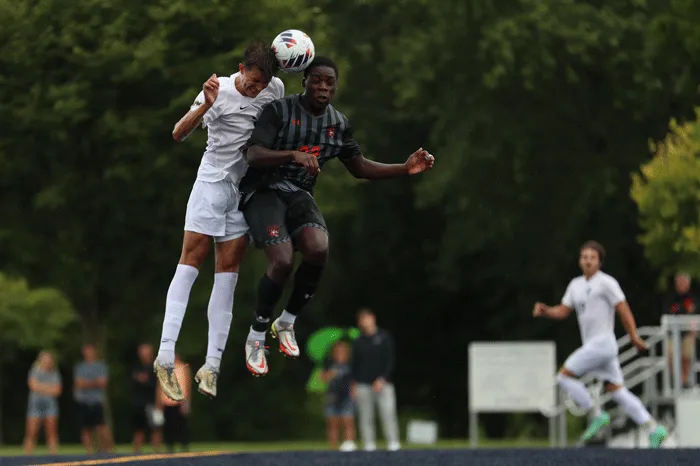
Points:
x=228, y=108
x=596, y=296
x=293, y=139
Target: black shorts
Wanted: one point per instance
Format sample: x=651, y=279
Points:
x=275, y=217
x=90, y=416
x=139, y=419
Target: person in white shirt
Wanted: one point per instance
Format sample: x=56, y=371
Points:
x=596, y=297
x=228, y=107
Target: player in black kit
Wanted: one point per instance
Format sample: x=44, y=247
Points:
x=294, y=137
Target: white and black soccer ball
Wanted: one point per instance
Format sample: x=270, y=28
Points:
x=294, y=50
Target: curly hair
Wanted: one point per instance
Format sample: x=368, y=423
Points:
x=260, y=55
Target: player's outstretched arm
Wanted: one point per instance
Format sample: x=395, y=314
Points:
x=360, y=167
x=553, y=312
x=627, y=318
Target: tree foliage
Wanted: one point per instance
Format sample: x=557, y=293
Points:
x=32, y=318
x=537, y=112
x=667, y=192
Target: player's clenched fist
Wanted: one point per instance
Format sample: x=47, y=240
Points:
x=211, y=90
x=420, y=161
x=307, y=160
x=539, y=310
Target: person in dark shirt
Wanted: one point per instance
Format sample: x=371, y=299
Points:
x=143, y=400
x=679, y=302
x=340, y=408
x=293, y=139
x=372, y=367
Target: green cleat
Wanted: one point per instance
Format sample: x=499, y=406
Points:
x=596, y=425
x=657, y=437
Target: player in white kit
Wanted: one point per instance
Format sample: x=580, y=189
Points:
x=596, y=297
x=228, y=107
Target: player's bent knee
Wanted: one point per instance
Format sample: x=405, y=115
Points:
x=281, y=265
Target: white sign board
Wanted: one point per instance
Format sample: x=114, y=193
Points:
x=512, y=376
x=423, y=432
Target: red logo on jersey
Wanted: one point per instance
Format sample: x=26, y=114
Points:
x=331, y=131
x=273, y=231
x=313, y=150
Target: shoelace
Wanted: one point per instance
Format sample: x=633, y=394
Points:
x=254, y=353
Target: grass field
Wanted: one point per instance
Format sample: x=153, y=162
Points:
x=75, y=449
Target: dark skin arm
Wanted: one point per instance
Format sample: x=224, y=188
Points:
x=259, y=156
x=362, y=168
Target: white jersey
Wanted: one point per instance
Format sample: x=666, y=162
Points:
x=594, y=301
x=230, y=122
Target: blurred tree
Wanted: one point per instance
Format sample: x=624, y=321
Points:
x=30, y=318
x=667, y=192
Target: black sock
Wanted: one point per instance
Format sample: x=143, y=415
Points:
x=269, y=293
x=305, y=282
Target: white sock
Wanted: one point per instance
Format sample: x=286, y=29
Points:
x=254, y=335
x=634, y=407
x=577, y=390
x=175, y=308
x=220, y=313
x=287, y=318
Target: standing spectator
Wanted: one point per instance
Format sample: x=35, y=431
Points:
x=45, y=387
x=144, y=400
x=682, y=301
x=175, y=413
x=340, y=409
x=372, y=365
x=91, y=377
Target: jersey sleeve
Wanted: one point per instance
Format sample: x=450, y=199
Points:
x=215, y=111
x=568, y=299
x=266, y=130
x=613, y=292
x=350, y=147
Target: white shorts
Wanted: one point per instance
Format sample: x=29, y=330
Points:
x=212, y=210
x=598, y=357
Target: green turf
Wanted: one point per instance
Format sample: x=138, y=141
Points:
x=284, y=446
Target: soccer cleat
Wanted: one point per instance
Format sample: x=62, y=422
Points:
x=207, y=377
x=394, y=446
x=657, y=437
x=168, y=381
x=255, y=357
x=288, y=340
x=596, y=425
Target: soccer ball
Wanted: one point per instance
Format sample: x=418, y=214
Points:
x=294, y=50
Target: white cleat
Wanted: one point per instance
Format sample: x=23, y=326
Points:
x=255, y=357
x=168, y=381
x=207, y=377
x=284, y=332
x=394, y=446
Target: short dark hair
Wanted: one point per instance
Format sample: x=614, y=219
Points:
x=365, y=310
x=261, y=56
x=321, y=61
x=597, y=247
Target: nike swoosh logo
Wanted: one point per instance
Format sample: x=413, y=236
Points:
x=289, y=343
x=262, y=364
x=243, y=108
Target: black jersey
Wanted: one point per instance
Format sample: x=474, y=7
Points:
x=285, y=125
